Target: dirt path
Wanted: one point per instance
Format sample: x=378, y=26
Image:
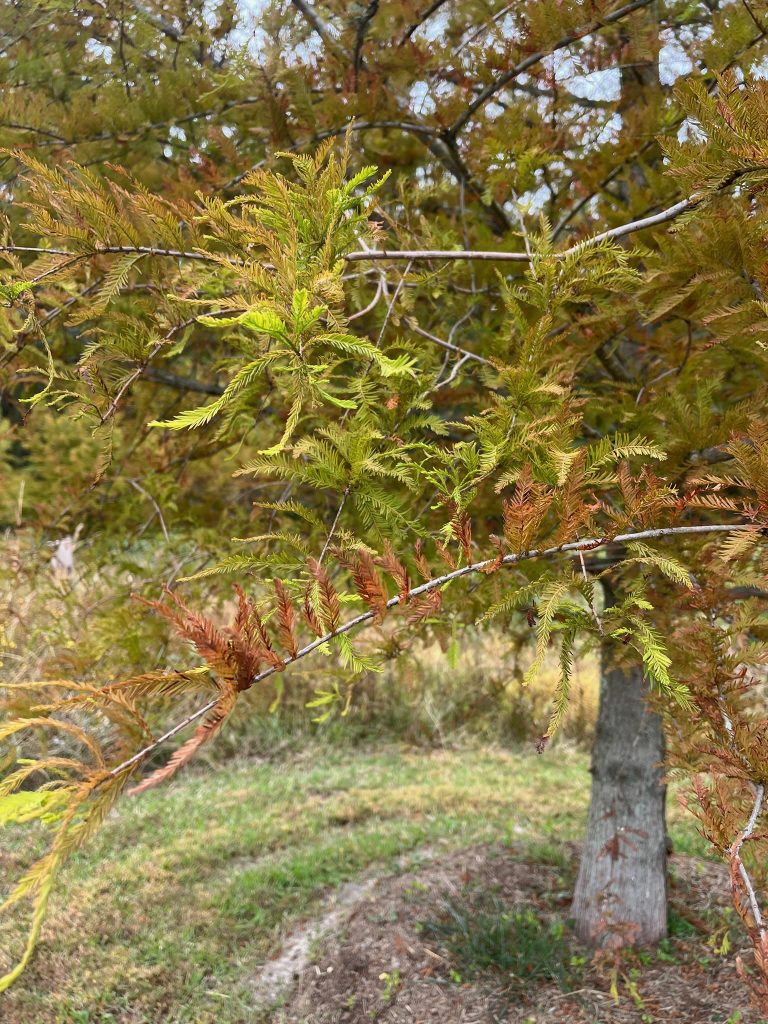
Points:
x=278, y=974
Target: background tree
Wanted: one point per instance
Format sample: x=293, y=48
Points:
x=586, y=372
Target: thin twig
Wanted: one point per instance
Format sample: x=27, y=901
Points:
x=334, y=524
x=735, y=855
x=391, y=305
x=137, y=486
x=753, y=16
x=674, y=370
x=318, y=24
x=436, y=254
x=453, y=374
x=758, y=789
x=482, y=28
x=374, y=301
x=464, y=357
x=448, y=344
x=132, y=377
x=434, y=6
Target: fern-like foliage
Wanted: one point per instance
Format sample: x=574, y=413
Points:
x=379, y=429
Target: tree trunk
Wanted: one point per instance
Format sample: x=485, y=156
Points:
x=621, y=891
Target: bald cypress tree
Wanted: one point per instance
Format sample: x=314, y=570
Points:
x=458, y=294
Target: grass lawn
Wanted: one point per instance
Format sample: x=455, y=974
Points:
x=168, y=915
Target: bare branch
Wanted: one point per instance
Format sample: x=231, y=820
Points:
x=663, y=217
x=106, y=250
x=137, y=487
x=422, y=18
x=158, y=21
x=318, y=24
x=173, y=380
x=140, y=369
x=436, y=254
x=448, y=344
x=735, y=855
x=453, y=374
x=363, y=23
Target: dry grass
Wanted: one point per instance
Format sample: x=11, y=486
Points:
x=84, y=626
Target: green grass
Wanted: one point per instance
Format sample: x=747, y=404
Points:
x=480, y=934
x=187, y=890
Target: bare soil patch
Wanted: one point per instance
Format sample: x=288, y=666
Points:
x=379, y=963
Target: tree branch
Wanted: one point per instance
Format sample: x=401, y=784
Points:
x=663, y=217
x=426, y=588
x=172, y=380
x=464, y=353
x=437, y=254
x=488, y=255
x=319, y=25
x=534, y=58
x=160, y=23
x=142, y=367
x=422, y=18
x=734, y=855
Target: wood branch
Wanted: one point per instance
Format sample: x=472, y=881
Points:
x=487, y=255
x=435, y=6
x=426, y=588
x=708, y=456
x=734, y=855
x=613, y=363
x=745, y=593
x=106, y=250
x=662, y=217
x=464, y=353
x=534, y=58
x=142, y=367
x=319, y=25
x=437, y=254
x=173, y=380
x=363, y=23
x=160, y=23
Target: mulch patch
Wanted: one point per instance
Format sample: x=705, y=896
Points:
x=379, y=964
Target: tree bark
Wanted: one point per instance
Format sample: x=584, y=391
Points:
x=621, y=891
